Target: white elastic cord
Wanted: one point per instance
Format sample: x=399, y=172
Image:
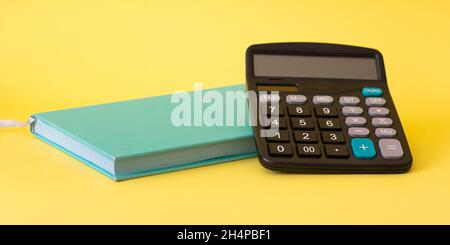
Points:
x=15, y=124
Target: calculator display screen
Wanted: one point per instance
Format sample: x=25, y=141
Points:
x=271, y=65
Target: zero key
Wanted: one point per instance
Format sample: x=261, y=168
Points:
x=283, y=150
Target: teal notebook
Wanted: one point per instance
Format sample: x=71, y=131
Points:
x=136, y=138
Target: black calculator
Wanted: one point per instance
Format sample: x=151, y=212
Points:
x=324, y=108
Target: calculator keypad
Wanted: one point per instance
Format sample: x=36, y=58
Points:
x=323, y=126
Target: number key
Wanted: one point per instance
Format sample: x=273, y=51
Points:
x=333, y=137
x=329, y=124
x=299, y=111
x=272, y=109
x=302, y=123
x=325, y=111
x=305, y=136
x=284, y=150
x=280, y=136
x=308, y=150
x=274, y=122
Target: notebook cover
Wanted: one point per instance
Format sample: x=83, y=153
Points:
x=138, y=127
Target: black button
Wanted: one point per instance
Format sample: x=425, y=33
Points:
x=280, y=136
x=336, y=151
x=302, y=123
x=269, y=109
x=326, y=111
x=333, y=137
x=308, y=150
x=329, y=124
x=273, y=123
x=299, y=110
x=305, y=136
x=284, y=150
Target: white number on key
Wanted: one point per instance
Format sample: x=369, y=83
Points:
x=302, y=122
x=329, y=123
x=305, y=136
x=280, y=148
x=333, y=136
x=309, y=149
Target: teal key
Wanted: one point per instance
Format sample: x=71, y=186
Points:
x=363, y=148
x=372, y=92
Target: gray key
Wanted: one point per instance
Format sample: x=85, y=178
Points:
x=382, y=122
x=358, y=132
x=355, y=121
x=264, y=98
x=322, y=100
x=390, y=148
x=295, y=99
x=349, y=100
x=378, y=111
x=385, y=132
x=352, y=110
x=375, y=101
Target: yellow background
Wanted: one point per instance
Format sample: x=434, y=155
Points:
x=61, y=54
